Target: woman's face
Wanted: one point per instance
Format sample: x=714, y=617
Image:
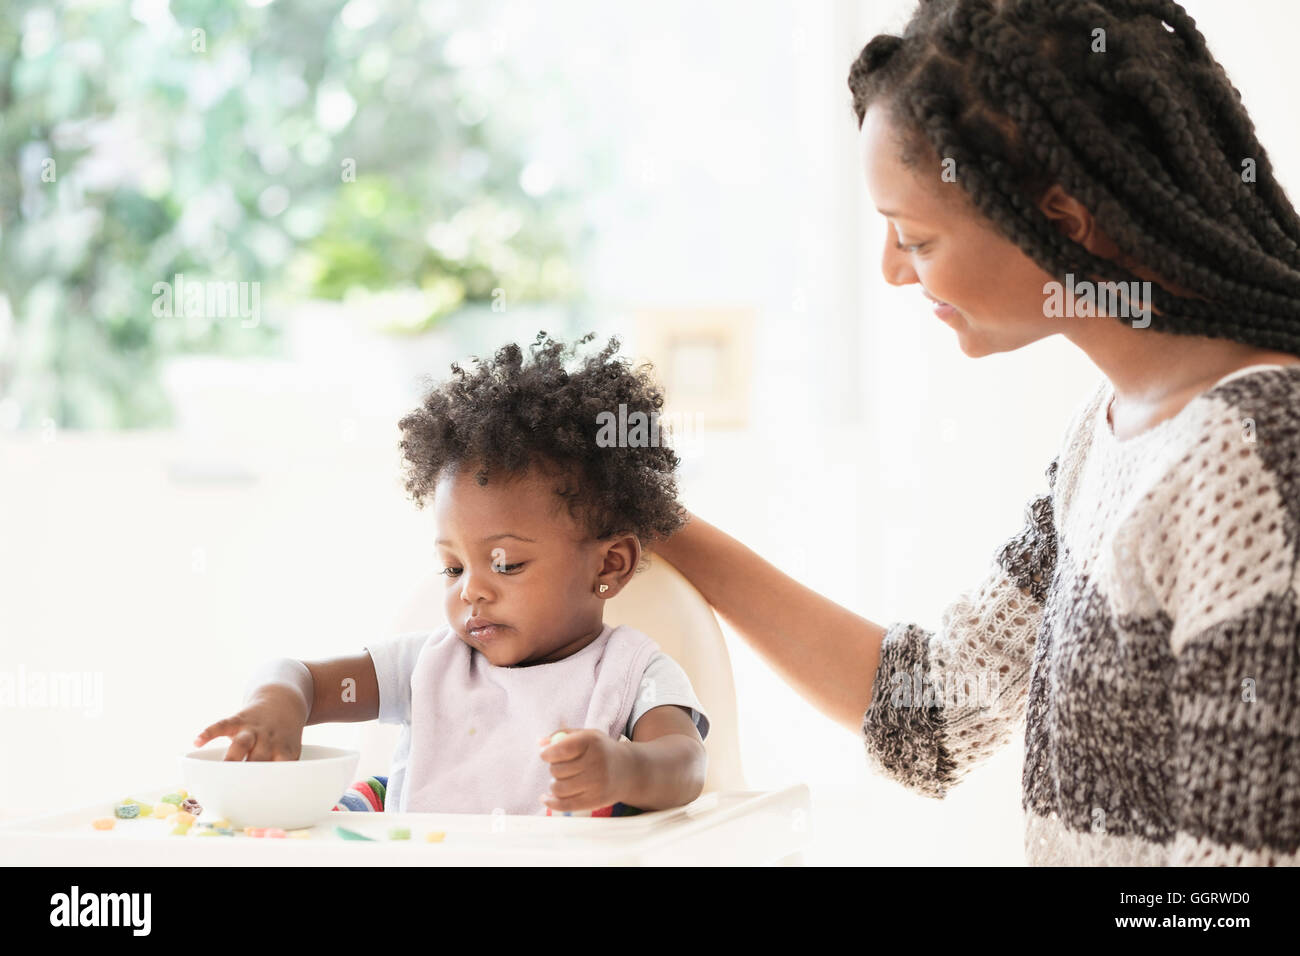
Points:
x=512, y=555
x=996, y=291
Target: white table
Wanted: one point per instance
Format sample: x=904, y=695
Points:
x=733, y=828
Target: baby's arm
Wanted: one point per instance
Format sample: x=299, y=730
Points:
x=285, y=695
x=668, y=762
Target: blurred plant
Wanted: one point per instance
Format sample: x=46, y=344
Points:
x=320, y=149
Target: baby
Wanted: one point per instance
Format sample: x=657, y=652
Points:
x=540, y=520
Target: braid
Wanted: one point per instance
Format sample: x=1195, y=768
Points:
x=1150, y=136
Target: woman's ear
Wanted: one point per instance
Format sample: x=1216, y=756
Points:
x=1076, y=222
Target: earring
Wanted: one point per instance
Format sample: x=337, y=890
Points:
x=604, y=588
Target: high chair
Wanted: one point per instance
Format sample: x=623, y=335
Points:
x=659, y=602
x=726, y=825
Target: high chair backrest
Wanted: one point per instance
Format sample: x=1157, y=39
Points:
x=659, y=602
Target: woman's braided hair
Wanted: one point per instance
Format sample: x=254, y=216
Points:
x=1150, y=135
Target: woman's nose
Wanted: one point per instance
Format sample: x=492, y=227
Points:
x=896, y=267
x=894, y=263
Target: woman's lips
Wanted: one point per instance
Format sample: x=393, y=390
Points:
x=942, y=309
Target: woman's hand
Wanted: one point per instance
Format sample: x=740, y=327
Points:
x=589, y=771
x=269, y=727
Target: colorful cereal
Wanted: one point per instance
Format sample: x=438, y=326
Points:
x=351, y=834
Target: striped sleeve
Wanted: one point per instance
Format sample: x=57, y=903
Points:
x=942, y=701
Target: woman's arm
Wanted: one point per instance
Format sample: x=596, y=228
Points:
x=825, y=652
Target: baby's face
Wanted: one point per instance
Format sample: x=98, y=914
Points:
x=515, y=559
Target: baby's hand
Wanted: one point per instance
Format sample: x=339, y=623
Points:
x=268, y=728
x=589, y=770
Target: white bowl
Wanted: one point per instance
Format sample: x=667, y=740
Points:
x=289, y=794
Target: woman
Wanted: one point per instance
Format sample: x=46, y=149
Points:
x=1143, y=622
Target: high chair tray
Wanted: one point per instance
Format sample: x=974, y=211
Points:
x=737, y=828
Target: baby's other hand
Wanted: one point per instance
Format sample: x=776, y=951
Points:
x=589, y=770
x=268, y=728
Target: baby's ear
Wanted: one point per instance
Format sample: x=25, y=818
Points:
x=622, y=556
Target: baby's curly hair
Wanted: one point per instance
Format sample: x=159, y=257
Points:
x=507, y=416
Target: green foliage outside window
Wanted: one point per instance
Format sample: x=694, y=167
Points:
x=315, y=148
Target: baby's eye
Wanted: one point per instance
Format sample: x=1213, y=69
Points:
x=508, y=568
x=451, y=572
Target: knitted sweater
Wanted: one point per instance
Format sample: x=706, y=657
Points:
x=1144, y=624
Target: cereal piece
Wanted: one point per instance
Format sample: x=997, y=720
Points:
x=255, y=831
x=224, y=831
x=126, y=811
x=103, y=823
x=180, y=816
x=183, y=794
x=399, y=833
x=351, y=834
x=221, y=824
x=300, y=834
x=163, y=810
x=208, y=832
x=191, y=806
x=557, y=735
x=180, y=829
x=173, y=798
x=435, y=836
x=274, y=833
